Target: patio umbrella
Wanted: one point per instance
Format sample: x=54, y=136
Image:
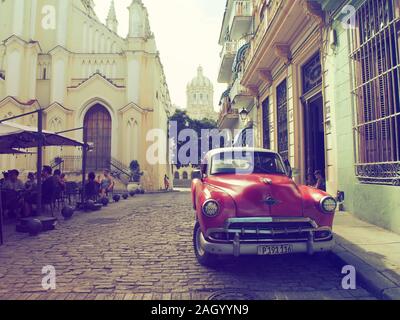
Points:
x=12, y=151
x=17, y=136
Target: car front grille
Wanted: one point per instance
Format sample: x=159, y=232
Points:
x=268, y=230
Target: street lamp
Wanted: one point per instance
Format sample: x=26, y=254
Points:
x=243, y=114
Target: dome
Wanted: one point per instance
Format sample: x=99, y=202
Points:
x=200, y=80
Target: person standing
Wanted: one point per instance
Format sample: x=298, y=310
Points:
x=166, y=183
x=320, y=184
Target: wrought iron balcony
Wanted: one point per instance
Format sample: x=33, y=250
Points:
x=240, y=96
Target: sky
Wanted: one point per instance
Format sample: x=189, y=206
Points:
x=186, y=32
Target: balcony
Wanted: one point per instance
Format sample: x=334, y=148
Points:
x=240, y=96
x=228, y=119
x=241, y=19
x=227, y=57
x=228, y=116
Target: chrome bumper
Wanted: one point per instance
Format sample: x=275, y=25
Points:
x=237, y=248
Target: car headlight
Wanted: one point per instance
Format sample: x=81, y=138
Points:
x=211, y=208
x=328, y=205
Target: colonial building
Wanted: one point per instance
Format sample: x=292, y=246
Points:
x=321, y=82
x=200, y=98
x=57, y=55
x=236, y=30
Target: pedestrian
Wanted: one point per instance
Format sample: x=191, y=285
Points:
x=310, y=181
x=166, y=183
x=49, y=186
x=320, y=184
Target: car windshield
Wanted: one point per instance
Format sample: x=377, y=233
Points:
x=246, y=163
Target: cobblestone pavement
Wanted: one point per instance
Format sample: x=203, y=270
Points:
x=141, y=248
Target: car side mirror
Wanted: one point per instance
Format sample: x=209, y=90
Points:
x=289, y=169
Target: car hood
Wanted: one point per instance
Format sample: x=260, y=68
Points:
x=261, y=194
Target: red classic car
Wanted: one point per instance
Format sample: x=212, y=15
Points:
x=247, y=203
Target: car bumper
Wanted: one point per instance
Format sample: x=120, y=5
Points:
x=238, y=248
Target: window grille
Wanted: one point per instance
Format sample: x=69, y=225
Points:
x=312, y=74
x=266, y=125
x=283, y=140
x=375, y=62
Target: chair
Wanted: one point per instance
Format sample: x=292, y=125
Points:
x=11, y=202
x=71, y=191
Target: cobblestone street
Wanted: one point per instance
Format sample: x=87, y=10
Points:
x=142, y=249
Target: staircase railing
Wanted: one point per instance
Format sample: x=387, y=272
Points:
x=120, y=171
x=67, y=163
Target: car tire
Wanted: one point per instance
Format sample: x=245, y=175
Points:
x=204, y=258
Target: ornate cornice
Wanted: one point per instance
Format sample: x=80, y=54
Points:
x=314, y=10
x=282, y=51
x=266, y=76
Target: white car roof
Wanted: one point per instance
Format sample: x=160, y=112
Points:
x=213, y=152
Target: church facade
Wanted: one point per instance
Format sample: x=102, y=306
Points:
x=58, y=55
x=200, y=98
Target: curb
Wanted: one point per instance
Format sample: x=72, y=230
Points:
x=372, y=279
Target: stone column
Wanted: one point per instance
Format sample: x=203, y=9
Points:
x=18, y=17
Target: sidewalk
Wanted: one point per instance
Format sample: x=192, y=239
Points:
x=373, y=251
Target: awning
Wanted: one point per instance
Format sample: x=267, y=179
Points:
x=17, y=136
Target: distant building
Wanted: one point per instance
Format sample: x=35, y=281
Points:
x=200, y=98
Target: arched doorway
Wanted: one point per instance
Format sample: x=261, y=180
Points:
x=98, y=126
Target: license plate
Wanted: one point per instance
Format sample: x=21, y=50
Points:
x=275, y=250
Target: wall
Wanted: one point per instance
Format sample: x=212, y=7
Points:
x=376, y=204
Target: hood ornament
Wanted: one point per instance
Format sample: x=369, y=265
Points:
x=266, y=181
x=271, y=201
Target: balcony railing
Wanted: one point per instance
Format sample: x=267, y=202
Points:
x=241, y=17
x=238, y=90
x=229, y=49
x=241, y=8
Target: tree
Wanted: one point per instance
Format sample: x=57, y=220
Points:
x=183, y=122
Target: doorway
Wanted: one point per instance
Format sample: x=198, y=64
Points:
x=314, y=136
x=98, y=126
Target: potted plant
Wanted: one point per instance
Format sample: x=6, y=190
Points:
x=136, y=175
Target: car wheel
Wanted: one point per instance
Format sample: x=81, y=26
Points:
x=204, y=258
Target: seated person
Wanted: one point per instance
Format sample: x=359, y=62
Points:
x=4, y=179
x=13, y=200
x=92, y=187
x=107, y=184
x=13, y=183
x=30, y=184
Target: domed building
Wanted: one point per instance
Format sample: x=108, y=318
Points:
x=200, y=98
